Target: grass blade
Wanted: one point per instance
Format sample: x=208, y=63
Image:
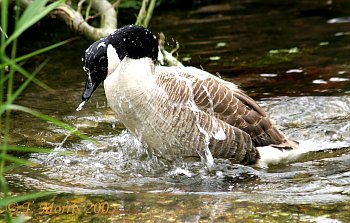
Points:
x=4, y=20
x=3, y=32
x=45, y=49
x=34, y=8
x=26, y=74
x=14, y=199
x=26, y=149
x=21, y=88
x=40, y=51
x=15, y=159
x=39, y=14
x=56, y=122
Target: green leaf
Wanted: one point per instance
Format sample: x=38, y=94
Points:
x=135, y=4
x=21, y=88
x=30, y=12
x=30, y=77
x=4, y=21
x=37, y=52
x=56, y=122
x=4, y=202
x=25, y=149
x=11, y=167
x=26, y=73
x=33, y=13
x=15, y=159
x=45, y=49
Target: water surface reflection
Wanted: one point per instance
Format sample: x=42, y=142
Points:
x=287, y=55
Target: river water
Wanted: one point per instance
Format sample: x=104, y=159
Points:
x=292, y=57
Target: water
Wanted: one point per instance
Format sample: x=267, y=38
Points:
x=291, y=57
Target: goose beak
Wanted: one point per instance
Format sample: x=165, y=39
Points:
x=90, y=86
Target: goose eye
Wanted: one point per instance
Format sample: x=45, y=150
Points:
x=102, y=59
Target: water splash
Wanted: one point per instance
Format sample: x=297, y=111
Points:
x=81, y=105
x=217, y=132
x=206, y=156
x=123, y=164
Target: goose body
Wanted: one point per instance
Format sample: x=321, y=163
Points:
x=178, y=111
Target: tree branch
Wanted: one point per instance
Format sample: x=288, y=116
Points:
x=145, y=13
x=106, y=10
x=166, y=58
x=76, y=21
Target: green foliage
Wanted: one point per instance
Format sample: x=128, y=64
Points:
x=279, y=56
x=145, y=13
x=48, y=119
x=9, y=67
x=31, y=15
x=8, y=200
x=134, y=4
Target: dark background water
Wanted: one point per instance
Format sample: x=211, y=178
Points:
x=291, y=56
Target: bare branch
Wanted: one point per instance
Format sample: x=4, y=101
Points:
x=80, y=5
x=76, y=21
x=108, y=14
x=151, y=6
x=145, y=13
x=164, y=57
x=88, y=8
x=142, y=13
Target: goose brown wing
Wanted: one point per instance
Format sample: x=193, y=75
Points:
x=225, y=101
x=181, y=89
x=234, y=107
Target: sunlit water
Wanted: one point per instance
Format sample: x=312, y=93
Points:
x=307, y=96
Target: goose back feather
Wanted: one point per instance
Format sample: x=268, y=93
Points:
x=187, y=111
x=177, y=111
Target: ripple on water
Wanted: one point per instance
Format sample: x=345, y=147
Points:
x=121, y=164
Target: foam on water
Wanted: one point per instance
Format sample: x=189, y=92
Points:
x=122, y=164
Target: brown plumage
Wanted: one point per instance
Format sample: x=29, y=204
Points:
x=179, y=111
x=184, y=111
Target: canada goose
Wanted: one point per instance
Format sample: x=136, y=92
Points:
x=178, y=111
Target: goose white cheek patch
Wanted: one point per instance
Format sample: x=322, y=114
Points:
x=113, y=59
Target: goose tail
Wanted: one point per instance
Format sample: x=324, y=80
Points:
x=284, y=153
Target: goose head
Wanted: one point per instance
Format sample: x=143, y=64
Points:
x=104, y=55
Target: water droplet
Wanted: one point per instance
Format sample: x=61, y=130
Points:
x=220, y=44
x=81, y=105
x=319, y=81
x=219, y=134
x=268, y=75
x=294, y=71
x=339, y=20
x=214, y=58
x=338, y=79
x=101, y=44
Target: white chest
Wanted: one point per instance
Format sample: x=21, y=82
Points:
x=129, y=89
